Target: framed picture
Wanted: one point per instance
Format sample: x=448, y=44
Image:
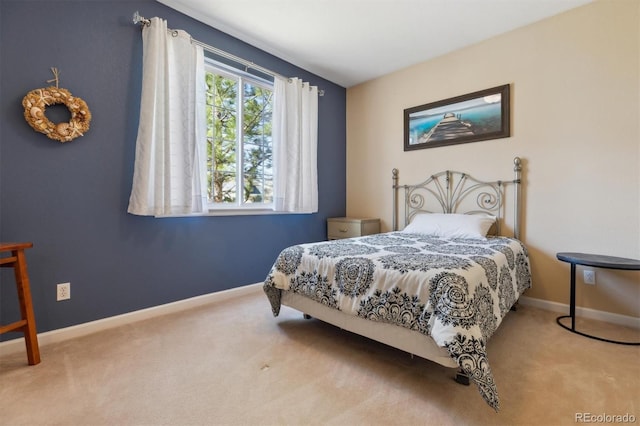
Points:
x=477, y=116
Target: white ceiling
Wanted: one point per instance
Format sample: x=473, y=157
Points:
x=351, y=41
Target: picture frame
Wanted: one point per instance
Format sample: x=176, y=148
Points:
x=473, y=117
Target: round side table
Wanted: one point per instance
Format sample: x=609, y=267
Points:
x=597, y=261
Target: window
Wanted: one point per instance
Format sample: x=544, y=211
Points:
x=240, y=165
x=239, y=140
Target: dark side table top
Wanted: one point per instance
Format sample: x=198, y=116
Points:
x=600, y=261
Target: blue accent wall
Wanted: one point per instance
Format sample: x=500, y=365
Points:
x=71, y=199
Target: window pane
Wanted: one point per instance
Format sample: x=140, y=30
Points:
x=257, y=114
x=258, y=188
x=224, y=187
x=268, y=189
x=257, y=144
x=222, y=128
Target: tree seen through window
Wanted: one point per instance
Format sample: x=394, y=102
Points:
x=239, y=143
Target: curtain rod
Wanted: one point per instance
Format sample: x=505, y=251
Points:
x=137, y=19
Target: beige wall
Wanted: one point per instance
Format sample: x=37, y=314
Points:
x=575, y=122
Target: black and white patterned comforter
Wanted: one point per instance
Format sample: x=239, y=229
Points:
x=454, y=290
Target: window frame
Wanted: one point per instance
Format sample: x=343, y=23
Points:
x=239, y=207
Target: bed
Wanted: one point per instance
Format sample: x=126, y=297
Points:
x=438, y=288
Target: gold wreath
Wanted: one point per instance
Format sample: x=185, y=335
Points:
x=36, y=102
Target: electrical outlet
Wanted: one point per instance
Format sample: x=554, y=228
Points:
x=589, y=276
x=63, y=291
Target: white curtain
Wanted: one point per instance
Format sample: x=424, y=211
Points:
x=168, y=174
x=295, y=146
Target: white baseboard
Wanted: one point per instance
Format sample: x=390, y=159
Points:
x=588, y=313
x=61, y=334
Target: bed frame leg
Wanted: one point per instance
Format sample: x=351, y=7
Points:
x=462, y=378
x=307, y=316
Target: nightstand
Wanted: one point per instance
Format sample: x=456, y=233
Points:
x=349, y=227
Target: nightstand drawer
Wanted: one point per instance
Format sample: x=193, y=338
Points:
x=337, y=229
x=346, y=227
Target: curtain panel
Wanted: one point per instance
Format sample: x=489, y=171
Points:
x=169, y=176
x=295, y=146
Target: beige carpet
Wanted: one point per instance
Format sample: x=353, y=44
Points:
x=232, y=363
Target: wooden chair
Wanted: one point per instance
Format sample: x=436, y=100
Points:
x=27, y=324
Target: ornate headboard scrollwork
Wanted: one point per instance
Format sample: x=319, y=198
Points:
x=456, y=192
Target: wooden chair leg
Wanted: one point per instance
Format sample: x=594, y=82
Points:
x=27, y=323
x=26, y=308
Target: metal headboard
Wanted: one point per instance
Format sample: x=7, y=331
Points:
x=456, y=192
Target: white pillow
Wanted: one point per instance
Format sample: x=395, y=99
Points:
x=451, y=225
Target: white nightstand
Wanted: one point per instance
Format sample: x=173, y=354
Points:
x=348, y=227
